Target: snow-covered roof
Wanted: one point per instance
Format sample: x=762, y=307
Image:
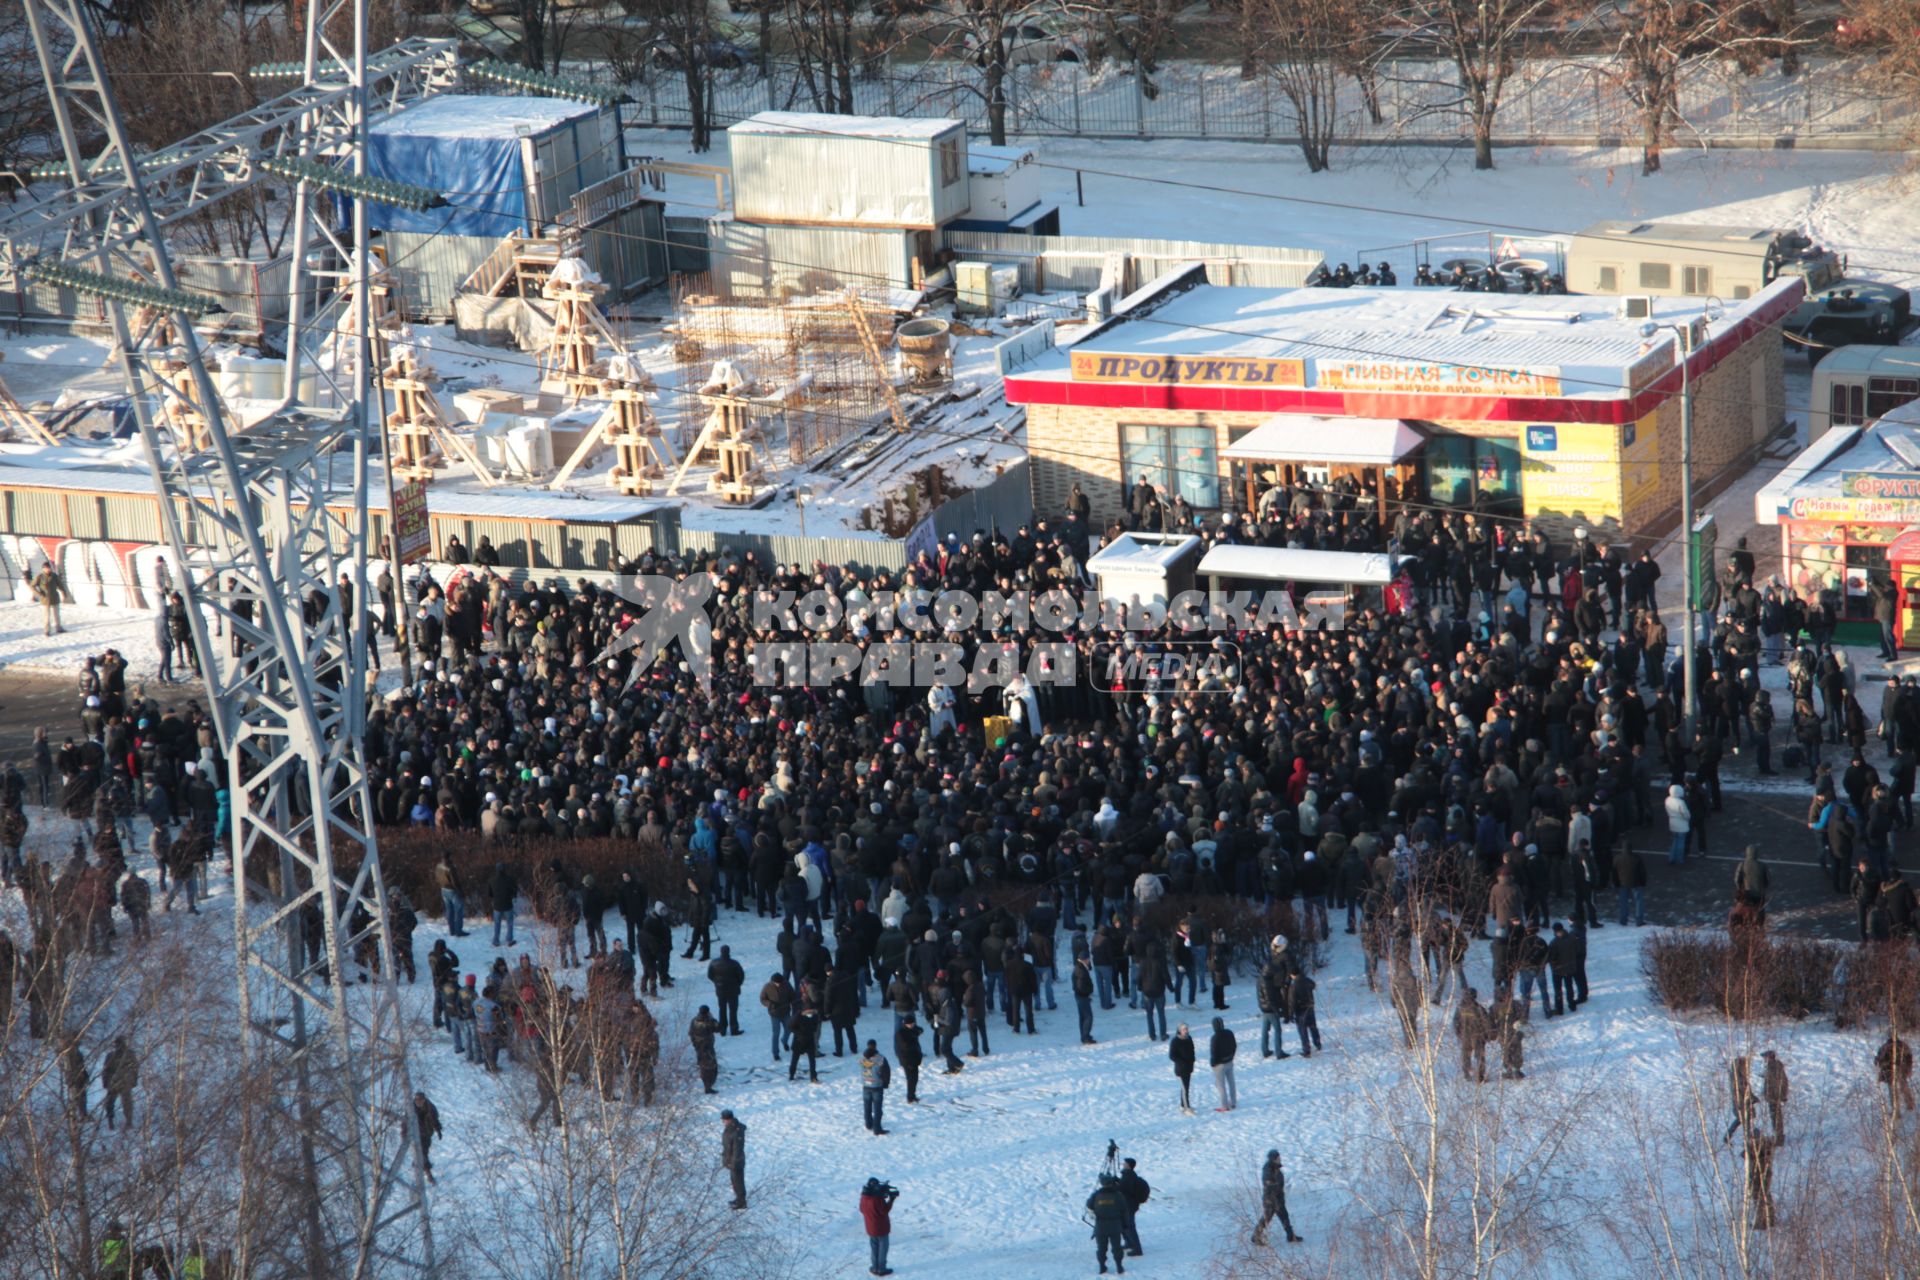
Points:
x=1869, y=474
x=470, y=115
x=1284, y=564
x=1392, y=340
x=984, y=157
x=1142, y=552
x=1755, y=239
x=806, y=122
x=77, y=479
x=442, y=500
x=1304, y=437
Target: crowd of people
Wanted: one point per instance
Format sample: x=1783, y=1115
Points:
x=1463, y=763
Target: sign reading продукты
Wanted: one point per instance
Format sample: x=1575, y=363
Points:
x=1190, y=371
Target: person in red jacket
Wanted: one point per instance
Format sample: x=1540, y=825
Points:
x=876, y=1210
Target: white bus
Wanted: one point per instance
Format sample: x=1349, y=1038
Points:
x=1853, y=386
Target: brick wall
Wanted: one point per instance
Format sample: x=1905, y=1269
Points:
x=1069, y=445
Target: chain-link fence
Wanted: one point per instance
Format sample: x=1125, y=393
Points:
x=1571, y=101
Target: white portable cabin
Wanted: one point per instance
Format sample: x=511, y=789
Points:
x=849, y=171
x=1148, y=568
x=1856, y=385
x=1672, y=259
x=1006, y=192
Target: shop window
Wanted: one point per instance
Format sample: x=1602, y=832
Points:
x=1696, y=280
x=1865, y=565
x=1884, y=395
x=1656, y=275
x=1461, y=470
x=1847, y=405
x=1174, y=460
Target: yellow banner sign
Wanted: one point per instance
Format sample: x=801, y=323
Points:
x=1189, y=371
x=1861, y=510
x=1435, y=378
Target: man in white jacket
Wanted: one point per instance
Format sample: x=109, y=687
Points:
x=1679, y=824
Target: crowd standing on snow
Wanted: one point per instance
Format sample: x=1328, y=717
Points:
x=1463, y=766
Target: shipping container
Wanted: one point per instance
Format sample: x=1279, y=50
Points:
x=753, y=261
x=849, y=171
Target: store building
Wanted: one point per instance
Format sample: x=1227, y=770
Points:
x=1559, y=408
x=1848, y=510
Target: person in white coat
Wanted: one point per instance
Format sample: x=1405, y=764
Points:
x=1023, y=706
x=940, y=702
x=1679, y=824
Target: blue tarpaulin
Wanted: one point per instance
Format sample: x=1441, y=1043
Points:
x=468, y=148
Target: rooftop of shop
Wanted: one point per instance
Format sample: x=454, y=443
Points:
x=1588, y=343
x=1888, y=448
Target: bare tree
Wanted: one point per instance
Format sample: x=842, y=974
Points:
x=826, y=47
x=684, y=33
x=545, y=28
x=1485, y=40
x=1306, y=46
x=985, y=33
x=620, y=1166
x=1885, y=34
x=200, y=1154
x=1660, y=44
x=1447, y=1178
x=25, y=118
x=1135, y=33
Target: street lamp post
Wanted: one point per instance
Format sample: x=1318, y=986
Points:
x=1683, y=338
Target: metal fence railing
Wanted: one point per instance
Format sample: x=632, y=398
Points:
x=1571, y=100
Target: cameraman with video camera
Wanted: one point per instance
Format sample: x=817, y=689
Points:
x=876, y=1208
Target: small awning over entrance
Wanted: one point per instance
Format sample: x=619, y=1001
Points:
x=1304, y=437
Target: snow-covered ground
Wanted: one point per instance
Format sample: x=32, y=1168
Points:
x=995, y=1163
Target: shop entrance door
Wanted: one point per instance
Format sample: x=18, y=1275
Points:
x=1903, y=558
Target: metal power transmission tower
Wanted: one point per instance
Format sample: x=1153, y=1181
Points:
x=269, y=544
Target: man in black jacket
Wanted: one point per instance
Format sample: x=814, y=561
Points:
x=1083, y=996
x=1220, y=1051
x=1560, y=958
x=727, y=977
x=1273, y=1200
x=631, y=897
x=1135, y=1189
x=503, y=888
x=907, y=1052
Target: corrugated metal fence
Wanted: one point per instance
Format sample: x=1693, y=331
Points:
x=1056, y=263
x=1003, y=505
